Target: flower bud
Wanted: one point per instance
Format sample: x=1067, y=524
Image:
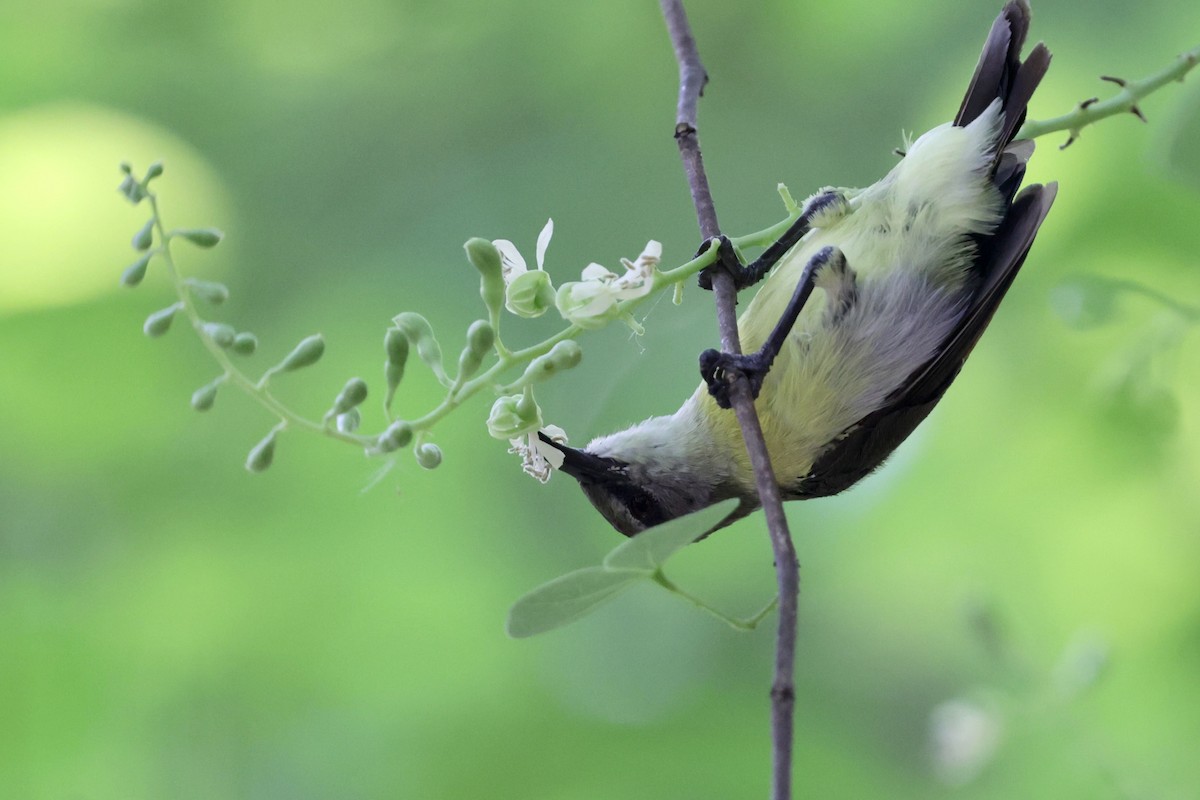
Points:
x=305, y=354
x=133, y=191
x=588, y=304
x=486, y=258
x=395, y=343
x=144, y=237
x=564, y=355
x=397, y=435
x=530, y=294
x=159, y=322
x=262, y=454
x=513, y=416
x=209, y=292
x=222, y=335
x=153, y=172
x=480, y=337
x=201, y=237
x=134, y=273
x=420, y=333
x=244, y=344
x=349, y=422
x=428, y=455
x=204, y=397
x=351, y=395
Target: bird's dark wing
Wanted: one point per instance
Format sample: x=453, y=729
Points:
x=865, y=445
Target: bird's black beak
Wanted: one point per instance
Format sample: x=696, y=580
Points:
x=583, y=466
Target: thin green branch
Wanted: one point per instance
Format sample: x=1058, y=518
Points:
x=1124, y=102
x=747, y=624
x=233, y=374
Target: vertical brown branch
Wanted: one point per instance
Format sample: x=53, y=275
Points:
x=692, y=78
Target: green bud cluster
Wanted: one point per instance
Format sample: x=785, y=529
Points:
x=528, y=294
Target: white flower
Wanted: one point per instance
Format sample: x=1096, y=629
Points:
x=591, y=302
x=512, y=263
x=514, y=415
x=539, y=459
x=528, y=292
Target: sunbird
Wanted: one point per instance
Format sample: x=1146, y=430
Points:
x=910, y=271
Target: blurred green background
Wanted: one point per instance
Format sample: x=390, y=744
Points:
x=174, y=627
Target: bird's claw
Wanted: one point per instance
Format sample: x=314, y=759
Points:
x=727, y=260
x=719, y=370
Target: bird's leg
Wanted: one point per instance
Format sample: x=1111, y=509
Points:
x=829, y=200
x=718, y=369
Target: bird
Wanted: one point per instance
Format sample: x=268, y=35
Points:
x=871, y=304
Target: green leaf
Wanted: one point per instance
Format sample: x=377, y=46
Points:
x=649, y=550
x=566, y=599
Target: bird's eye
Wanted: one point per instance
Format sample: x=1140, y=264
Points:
x=642, y=507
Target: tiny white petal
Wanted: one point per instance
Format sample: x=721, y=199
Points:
x=553, y=456
x=652, y=252
x=597, y=272
x=543, y=241
x=512, y=263
x=627, y=290
x=596, y=298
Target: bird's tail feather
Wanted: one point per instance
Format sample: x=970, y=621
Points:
x=1002, y=74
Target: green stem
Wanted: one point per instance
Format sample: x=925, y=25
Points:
x=733, y=622
x=1125, y=101
x=234, y=375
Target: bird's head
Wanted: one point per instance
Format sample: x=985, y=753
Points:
x=635, y=489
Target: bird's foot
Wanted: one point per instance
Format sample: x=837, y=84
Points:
x=719, y=371
x=727, y=261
